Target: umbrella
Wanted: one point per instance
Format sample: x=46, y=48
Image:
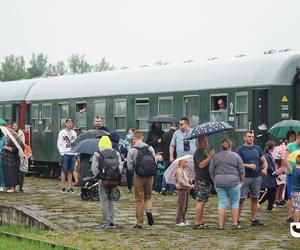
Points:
x=171, y=171
x=280, y=129
x=92, y=133
x=87, y=146
x=209, y=128
x=162, y=119
x=292, y=156
x=11, y=134
x=279, y=152
x=2, y=121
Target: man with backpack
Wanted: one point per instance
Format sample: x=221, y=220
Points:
x=141, y=160
x=107, y=166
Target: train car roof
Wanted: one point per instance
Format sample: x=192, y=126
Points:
x=15, y=90
x=263, y=70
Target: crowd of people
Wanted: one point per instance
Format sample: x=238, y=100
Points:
x=12, y=165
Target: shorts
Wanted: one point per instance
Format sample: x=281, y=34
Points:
x=68, y=163
x=226, y=193
x=289, y=186
x=202, y=189
x=252, y=183
x=296, y=201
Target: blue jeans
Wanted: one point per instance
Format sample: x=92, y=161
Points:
x=157, y=183
x=164, y=183
x=233, y=194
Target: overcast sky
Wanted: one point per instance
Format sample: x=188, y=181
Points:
x=136, y=32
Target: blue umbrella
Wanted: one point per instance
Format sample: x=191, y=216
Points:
x=209, y=128
x=87, y=146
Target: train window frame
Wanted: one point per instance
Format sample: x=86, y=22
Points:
x=198, y=109
x=47, y=119
x=118, y=116
x=61, y=121
x=82, y=111
x=237, y=113
x=1, y=111
x=213, y=97
x=7, y=117
x=35, y=119
x=166, y=98
x=139, y=102
x=103, y=117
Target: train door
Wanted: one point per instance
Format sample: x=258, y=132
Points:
x=296, y=88
x=21, y=115
x=260, y=115
x=191, y=109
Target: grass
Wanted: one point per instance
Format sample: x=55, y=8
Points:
x=81, y=221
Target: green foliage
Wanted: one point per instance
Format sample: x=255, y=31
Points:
x=103, y=66
x=57, y=69
x=78, y=65
x=38, y=65
x=13, y=68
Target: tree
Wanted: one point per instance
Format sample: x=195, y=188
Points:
x=13, y=68
x=103, y=66
x=57, y=69
x=78, y=65
x=38, y=65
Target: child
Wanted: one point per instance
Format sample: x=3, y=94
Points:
x=183, y=185
x=296, y=189
x=269, y=181
x=157, y=183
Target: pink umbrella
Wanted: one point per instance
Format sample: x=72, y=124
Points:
x=171, y=171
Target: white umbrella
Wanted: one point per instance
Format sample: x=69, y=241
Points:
x=13, y=135
x=171, y=171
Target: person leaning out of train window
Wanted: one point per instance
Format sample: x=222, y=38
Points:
x=68, y=157
x=155, y=137
x=98, y=124
x=221, y=104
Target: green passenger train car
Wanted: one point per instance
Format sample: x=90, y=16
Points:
x=257, y=92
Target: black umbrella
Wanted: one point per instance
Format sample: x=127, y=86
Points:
x=162, y=119
x=92, y=133
x=209, y=128
x=87, y=146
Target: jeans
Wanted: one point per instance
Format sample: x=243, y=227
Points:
x=157, y=183
x=225, y=193
x=164, y=183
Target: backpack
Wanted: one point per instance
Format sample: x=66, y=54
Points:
x=109, y=172
x=145, y=164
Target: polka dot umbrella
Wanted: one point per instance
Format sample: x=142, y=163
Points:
x=209, y=128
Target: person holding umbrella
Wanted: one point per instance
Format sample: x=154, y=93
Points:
x=252, y=157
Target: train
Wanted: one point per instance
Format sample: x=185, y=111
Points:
x=257, y=92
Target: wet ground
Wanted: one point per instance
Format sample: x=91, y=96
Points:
x=82, y=218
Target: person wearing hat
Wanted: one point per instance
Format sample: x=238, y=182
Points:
x=106, y=159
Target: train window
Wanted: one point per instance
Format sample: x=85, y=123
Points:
x=165, y=106
x=1, y=111
x=120, y=110
x=35, y=117
x=241, y=111
x=218, y=107
x=142, y=113
x=100, y=110
x=191, y=109
x=7, y=113
x=47, y=117
x=63, y=114
x=81, y=116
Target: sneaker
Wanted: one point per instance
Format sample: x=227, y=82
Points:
x=112, y=225
x=181, y=224
x=63, y=189
x=237, y=226
x=256, y=222
x=129, y=191
x=137, y=226
x=70, y=190
x=104, y=226
x=163, y=191
x=289, y=220
x=187, y=223
x=1, y=189
x=21, y=190
x=155, y=192
x=220, y=227
x=150, y=218
x=239, y=222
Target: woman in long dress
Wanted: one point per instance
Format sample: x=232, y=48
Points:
x=11, y=164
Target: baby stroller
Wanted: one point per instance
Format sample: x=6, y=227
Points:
x=90, y=190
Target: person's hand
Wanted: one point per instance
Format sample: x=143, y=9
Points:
x=252, y=166
x=264, y=172
x=159, y=140
x=212, y=153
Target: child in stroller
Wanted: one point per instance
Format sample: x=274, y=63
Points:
x=90, y=190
